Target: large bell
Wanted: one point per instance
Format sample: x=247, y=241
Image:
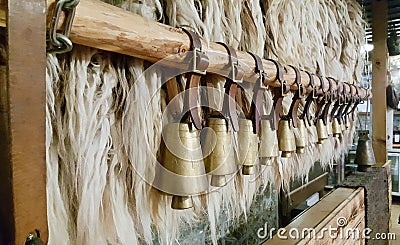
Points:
x=336, y=128
x=365, y=157
x=301, y=137
x=183, y=174
x=220, y=160
x=268, y=146
x=321, y=131
x=286, y=139
x=248, y=146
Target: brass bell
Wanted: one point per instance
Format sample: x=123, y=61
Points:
x=321, y=131
x=347, y=123
x=336, y=128
x=183, y=174
x=286, y=139
x=314, y=137
x=343, y=126
x=365, y=157
x=248, y=146
x=220, y=158
x=268, y=146
x=329, y=128
x=301, y=137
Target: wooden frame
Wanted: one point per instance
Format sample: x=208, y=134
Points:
x=289, y=201
x=22, y=126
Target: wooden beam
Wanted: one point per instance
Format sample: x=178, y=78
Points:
x=23, y=165
x=379, y=80
x=110, y=28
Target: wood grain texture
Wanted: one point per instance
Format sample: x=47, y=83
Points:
x=24, y=125
x=110, y=28
x=342, y=202
x=379, y=80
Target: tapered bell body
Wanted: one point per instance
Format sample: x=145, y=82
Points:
x=314, y=137
x=248, y=146
x=268, y=146
x=329, y=128
x=347, y=123
x=336, y=128
x=365, y=157
x=321, y=131
x=301, y=137
x=286, y=138
x=343, y=126
x=184, y=173
x=218, y=151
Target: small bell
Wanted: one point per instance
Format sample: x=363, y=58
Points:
x=184, y=174
x=322, y=131
x=220, y=160
x=301, y=138
x=248, y=146
x=286, y=139
x=365, y=157
x=268, y=146
x=336, y=128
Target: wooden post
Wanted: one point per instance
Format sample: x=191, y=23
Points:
x=379, y=80
x=23, y=97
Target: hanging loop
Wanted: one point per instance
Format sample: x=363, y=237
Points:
x=279, y=77
x=258, y=93
x=232, y=88
x=297, y=99
x=199, y=64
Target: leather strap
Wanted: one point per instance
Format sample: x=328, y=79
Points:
x=306, y=111
x=325, y=113
x=279, y=92
x=173, y=105
x=310, y=99
x=258, y=93
x=335, y=108
x=236, y=72
x=297, y=99
x=235, y=76
x=199, y=63
x=321, y=104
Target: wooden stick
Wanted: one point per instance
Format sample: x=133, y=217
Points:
x=110, y=28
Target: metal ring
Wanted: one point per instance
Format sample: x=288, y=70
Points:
x=71, y=4
x=66, y=45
